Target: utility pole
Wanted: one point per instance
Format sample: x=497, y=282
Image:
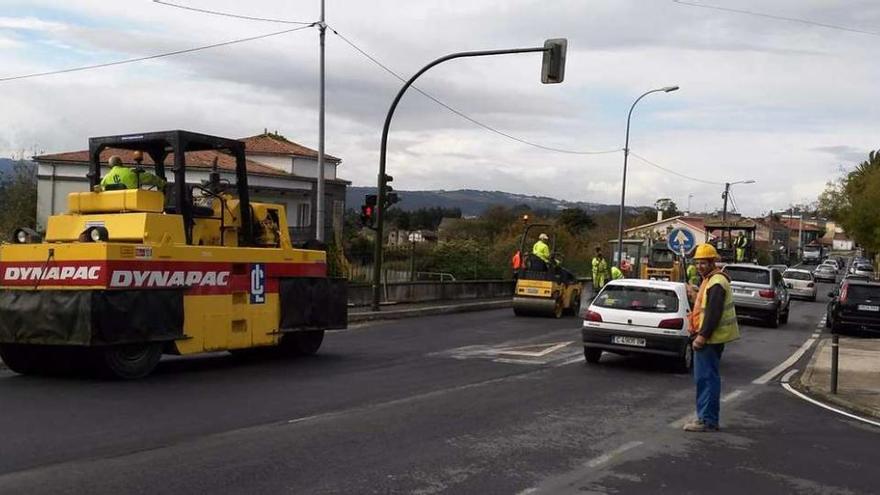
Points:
x=724, y=214
x=319, y=202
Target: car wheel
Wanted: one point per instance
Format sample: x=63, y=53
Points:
x=592, y=355
x=827, y=321
x=784, y=318
x=773, y=319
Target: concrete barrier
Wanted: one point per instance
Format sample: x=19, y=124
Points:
x=427, y=291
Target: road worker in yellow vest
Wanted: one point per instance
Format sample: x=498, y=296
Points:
x=122, y=176
x=712, y=325
x=616, y=274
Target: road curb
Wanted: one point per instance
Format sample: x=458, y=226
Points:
x=798, y=383
x=834, y=400
x=393, y=314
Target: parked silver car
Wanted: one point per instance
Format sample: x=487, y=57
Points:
x=759, y=292
x=800, y=283
x=865, y=269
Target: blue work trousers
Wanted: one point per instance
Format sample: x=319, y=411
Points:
x=707, y=376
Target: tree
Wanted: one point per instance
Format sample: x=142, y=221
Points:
x=18, y=198
x=667, y=206
x=854, y=202
x=576, y=221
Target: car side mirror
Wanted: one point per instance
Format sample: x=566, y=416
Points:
x=789, y=285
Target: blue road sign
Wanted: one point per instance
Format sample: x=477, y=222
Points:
x=680, y=240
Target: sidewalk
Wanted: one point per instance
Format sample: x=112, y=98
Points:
x=410, y=310
x=858, y=385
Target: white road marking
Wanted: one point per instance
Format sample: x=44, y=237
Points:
x=576, y=359
x=515, y=361
x=604, y=458
x=788, y=375
x=733, y=395
x=766, y=377
x=514, y=351
x=826, y=406
x=730, y=396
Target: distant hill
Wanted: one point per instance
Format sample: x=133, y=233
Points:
x=473, y=202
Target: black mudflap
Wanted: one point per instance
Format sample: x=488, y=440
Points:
x=313, y=303
x=90, y=317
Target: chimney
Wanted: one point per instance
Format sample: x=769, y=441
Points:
x=659, y=215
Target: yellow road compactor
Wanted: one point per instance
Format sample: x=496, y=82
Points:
x=129, y=274
x=543, y=289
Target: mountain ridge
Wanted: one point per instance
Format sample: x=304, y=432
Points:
x=473, y=202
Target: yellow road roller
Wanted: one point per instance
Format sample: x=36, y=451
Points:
x=129, y=273
x=543, y=288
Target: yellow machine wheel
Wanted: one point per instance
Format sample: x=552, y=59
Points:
x=302, y=343
x=128, y=361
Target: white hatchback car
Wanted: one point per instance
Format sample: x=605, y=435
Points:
x=800, y=283
x=632, y=316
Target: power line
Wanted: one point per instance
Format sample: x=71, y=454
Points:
x=777, y=17
x=229, y=14
x=150, y=57
x=673, y=172
x=462, y=114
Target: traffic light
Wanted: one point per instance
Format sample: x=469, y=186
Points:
x=553, y=64
x=368, y=210
x=391, y=197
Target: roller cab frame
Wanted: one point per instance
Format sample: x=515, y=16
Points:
x=543, y=290
x=127, y=275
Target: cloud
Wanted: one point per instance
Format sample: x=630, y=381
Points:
x=845, y=153
x=781, y=103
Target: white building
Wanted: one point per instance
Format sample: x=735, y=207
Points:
x=279, y=171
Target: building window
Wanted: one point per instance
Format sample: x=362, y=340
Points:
x=304, y=214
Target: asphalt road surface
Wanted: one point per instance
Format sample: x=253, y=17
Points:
x=477, y=403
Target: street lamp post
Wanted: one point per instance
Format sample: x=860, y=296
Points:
x=667, y=89
x=552, y=71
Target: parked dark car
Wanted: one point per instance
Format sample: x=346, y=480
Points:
x=855, y=307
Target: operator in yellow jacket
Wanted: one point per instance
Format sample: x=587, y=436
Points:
x=616, y=274
x=712, y=325
x=120, y=174
x=541, y=249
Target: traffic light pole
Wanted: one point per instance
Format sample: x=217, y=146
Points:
x=380, y=206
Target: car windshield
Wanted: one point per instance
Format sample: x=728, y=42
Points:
x=797, y=276
x=865, y=268
x=825, y=268
x=863, y=292
x=648, y=299
x=748, y=275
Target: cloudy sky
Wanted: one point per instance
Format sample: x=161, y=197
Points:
x=784, y=103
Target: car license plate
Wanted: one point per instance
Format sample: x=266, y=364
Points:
x=532, y=291
x=740, y=291
x=865, y=307
x=633, y=341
